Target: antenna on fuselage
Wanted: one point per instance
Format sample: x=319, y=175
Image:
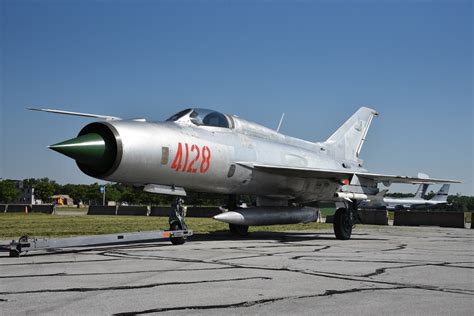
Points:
x=281, y=121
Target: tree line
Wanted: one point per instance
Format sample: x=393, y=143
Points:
x=89, y=194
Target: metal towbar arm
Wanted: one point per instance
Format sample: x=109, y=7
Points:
x=25, y=243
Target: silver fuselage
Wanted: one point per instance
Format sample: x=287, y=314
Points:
x=145, y=146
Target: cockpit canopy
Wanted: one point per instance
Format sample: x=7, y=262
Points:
x=202, y=117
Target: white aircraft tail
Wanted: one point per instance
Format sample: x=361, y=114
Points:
x=347, y=141
x=420, y=193
x=442, y=195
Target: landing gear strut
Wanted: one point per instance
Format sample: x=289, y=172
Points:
x=344, y=220
x=176, y=220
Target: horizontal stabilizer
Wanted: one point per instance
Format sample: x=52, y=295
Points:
x=104, y=117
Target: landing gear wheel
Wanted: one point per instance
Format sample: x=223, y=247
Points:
x=343, y=221
x=240, y=230
x=15, y=253
x=177, y=240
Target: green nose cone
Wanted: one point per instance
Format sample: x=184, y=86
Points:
x=88, y=149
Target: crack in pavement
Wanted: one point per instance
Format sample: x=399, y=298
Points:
x=55, y=262
x=401, y=247
x=61, y=274
x=132, y=287
x=257, y=255
x=313, y=273
x=250, y=248
x=247, y=304
x=380, y=271
x=315, y=250
x=321, y=249
x=329, y=258
x=283, y=245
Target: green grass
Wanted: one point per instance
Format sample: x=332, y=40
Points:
x=468, y=217
x=391, y=215
x=325, y=211
x=44, y=225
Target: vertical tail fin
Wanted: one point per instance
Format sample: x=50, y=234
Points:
x=442, y=195
x=420, y=193
x=347, y=141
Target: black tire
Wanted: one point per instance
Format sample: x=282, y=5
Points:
x=342, y=224
x=177, y=240
x=14, y=253
x=240, y=230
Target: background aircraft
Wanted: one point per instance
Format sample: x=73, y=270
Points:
x=396, y=204
x=206, y=151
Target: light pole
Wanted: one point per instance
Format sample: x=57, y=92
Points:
x=102, y=190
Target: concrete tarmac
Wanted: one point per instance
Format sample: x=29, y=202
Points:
x=381, y=270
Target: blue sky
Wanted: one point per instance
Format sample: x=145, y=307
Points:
x=318, y=61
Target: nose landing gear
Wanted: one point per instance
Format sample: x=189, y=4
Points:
x=176, y=220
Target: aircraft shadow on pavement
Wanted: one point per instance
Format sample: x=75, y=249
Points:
x=277, y=236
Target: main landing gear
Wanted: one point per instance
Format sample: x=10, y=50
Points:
x=176, y=220
x=344, y=220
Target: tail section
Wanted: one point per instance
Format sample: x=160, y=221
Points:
x=442, y=195
x=420, y=193
x=347, y=141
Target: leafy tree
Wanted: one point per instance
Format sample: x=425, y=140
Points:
x=78, y=192
x=129, y=197
x=112, y=192
x=45, y=188
x=430, y=195
x=8, y=191
x=93, y=195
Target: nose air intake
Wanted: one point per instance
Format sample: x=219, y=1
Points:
x=97, y=149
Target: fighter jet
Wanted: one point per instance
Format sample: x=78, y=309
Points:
x=398, y=204
x=203, y=150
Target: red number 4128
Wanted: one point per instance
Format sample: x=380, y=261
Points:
x=195, y=158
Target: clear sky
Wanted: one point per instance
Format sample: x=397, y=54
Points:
x=318, y=61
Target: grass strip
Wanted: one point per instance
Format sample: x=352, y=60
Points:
x=12, y=226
